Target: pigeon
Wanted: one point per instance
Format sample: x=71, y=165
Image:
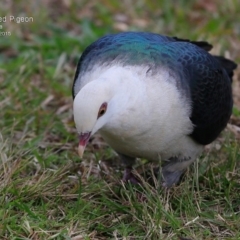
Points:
x=154, y=97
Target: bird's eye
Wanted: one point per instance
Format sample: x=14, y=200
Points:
x=102, y=109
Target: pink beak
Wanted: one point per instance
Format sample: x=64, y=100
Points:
x=83, y=140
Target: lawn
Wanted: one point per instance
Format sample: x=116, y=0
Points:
x=46, y=191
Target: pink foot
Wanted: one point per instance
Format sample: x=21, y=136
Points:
x=129, y=176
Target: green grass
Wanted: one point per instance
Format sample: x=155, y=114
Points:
x=46, y=192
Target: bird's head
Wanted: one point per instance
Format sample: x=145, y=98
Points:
x=91, y=111
x=107, y=103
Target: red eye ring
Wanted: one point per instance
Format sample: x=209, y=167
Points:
x=102, y=109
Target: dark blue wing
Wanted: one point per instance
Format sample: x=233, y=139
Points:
x=209, y=79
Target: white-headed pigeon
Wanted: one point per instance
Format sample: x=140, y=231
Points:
x=152, y=96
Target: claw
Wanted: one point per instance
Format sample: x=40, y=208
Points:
x=129, y=176
x=169, y=179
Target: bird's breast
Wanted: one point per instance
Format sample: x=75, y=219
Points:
x=150, y=143
x=151, y=120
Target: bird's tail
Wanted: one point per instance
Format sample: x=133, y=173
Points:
x=227, y=64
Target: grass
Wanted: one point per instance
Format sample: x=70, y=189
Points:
x=46, y=192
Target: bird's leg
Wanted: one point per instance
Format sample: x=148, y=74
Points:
x=173, y=170
x=128, y=163
x=129, y=176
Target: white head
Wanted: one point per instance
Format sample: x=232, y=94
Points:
x=91, y=110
